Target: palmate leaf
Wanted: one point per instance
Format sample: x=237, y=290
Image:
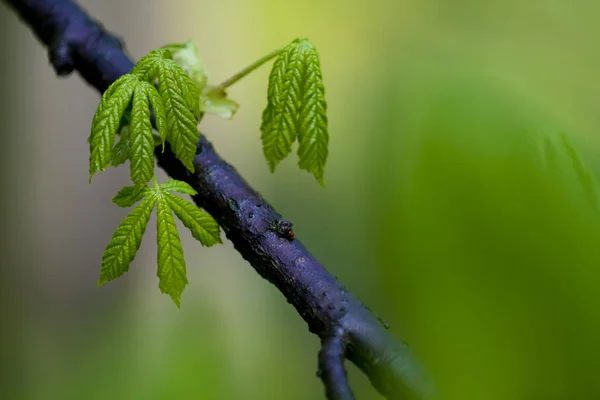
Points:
x=296, y=108
x=125, y=242
x=107, y=120
x=171, y=271
x=171, y=263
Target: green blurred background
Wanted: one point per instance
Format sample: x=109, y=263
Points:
x=460, y=205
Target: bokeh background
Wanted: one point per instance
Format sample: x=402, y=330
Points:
x=461, y=205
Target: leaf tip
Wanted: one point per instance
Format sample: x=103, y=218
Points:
x=320, y=180
x=177, y=301
x=102, y=280
x=174, y=295
x=272, y=163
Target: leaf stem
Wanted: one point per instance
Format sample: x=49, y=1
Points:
x=155, y=181
x=225, y=84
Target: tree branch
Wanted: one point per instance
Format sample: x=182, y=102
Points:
x=263, y=238
x=331, y=366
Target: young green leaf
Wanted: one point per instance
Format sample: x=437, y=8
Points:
x=158, y=108
x=125, y=242
x=146, y=67
x=158, y=64
x=296, y=108
x=171, y=263
x=181, y=100
x=173, y=185
x=129, y=195
x=188, y=57
x=283, y=101
x=183, y=132
x=313, y=135
x=125, y=119
x=107, y=120
x=203, y=227
x=217, y=103
x=141, y=151
x=190, y=93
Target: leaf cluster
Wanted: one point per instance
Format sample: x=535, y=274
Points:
x=171, y=85
x=296, y=109
x=160, y=86
x=175, y=105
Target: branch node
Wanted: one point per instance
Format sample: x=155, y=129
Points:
x=331, y=366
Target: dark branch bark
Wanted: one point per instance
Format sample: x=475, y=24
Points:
x=263, y=238
x=331, y=366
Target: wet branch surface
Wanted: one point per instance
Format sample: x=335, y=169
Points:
x=348, y=330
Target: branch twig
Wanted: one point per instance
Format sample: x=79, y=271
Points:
x=331, y=366
x=230, y=81
x=263, y=238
